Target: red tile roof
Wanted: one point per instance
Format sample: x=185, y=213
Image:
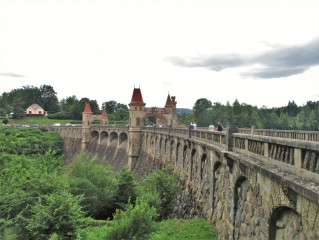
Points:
x=87, y=108
x=169, y=102
x=137, y=97
x=104, y=112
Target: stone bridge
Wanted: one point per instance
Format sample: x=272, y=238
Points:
x=249, y=183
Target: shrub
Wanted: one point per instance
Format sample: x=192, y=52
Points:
x=57, y=213
x=95, y=181
x=5, y=121
x=127, y=188
x=160, y=189
x=137, y=222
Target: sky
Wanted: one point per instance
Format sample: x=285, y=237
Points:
x=262, y=53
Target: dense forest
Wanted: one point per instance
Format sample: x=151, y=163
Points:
x=290, y=117
x=42, y=199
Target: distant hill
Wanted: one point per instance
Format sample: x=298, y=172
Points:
x=180, y=111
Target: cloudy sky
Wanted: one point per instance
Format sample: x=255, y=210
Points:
x=262, y=52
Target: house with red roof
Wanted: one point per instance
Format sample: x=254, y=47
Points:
x=35, y=111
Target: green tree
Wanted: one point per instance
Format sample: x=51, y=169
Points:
x=201, y=109
x=60, y=213
x=49, y=100
x=163, y=185
x=136, y=222
x=127, y=188
x=88, y=177
x=110, y=106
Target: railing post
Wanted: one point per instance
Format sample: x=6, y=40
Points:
x=297, y=158
x=266, y=149
x=229, y=137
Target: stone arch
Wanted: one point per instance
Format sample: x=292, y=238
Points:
x=160, y=144
x=104, y=135
x=113, y=136
x=94, y=134
x=123, y=137
x=165, y=145
x=193, y=159
x=239, y=196
x=177, y=152
x=171, y=149
x=286, y=223
x=216, y=183
x=202, y=167
x=184, y=155
x=152, y=141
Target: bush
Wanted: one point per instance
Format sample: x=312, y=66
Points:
x=137, y=222
x=96, y=183
x=5, y=121
x=57, y=213
x=160, y=189
x=127, y=188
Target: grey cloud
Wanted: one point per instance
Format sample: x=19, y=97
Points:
x=282, y=62
x=11, y=75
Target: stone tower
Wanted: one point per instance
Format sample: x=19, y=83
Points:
x=137, y=113
x=170, y=108
x=86, y=124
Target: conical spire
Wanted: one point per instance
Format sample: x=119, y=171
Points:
x=169, y=101
x=137, y=97
x=104, y=112
x=87, y=108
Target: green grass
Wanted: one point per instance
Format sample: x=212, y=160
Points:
x=191, y=229
x=41, y=120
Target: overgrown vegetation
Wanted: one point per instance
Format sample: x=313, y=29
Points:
x=42, y=199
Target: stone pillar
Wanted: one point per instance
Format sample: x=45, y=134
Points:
x=229, y=137
x=135, y=144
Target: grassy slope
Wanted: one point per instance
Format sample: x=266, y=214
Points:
x=192, y=229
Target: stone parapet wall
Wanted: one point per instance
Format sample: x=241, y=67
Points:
x=242, y=196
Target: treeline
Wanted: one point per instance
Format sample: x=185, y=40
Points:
x=42, y=199
x=18, y=100
x=290, y=117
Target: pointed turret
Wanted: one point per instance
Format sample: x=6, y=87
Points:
x=87, y=108
x=137, y=98
x=169, y=101
x=104, y=112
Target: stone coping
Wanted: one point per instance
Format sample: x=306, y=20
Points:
x=304, y=144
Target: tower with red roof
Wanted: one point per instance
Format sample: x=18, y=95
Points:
x=86, y=124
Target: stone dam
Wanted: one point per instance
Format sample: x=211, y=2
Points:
x=249, y=183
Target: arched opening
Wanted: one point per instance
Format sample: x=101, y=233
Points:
x=171, y=150
x=184, y=155
x=104, y=135
x=286, y=223
x=94, y=134
x=123, y=137
x=240, y=195
x=177, y=152
x=113, y=136
x=193, y=159
x=160, y=144
x=165, y=146
x=216, y=174
x=202, y=167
